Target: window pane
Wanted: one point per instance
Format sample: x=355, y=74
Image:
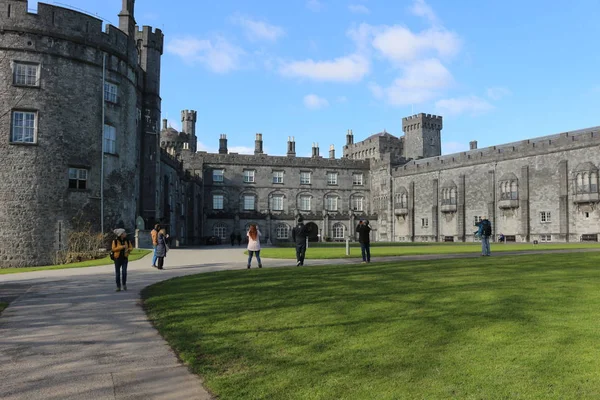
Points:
x=248, y=202
x=218, y=202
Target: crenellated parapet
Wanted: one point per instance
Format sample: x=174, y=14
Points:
x=422, y=120
x=153, y=39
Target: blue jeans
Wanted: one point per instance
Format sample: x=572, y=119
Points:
x=250, y=253
x=485, y=245
x=121, y=270
x=365, y=249
x=154, y=258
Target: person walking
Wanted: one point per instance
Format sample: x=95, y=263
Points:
x=238, y=237
x=121, y=247
x=364, y=229
x=232, y=239
x=154, y=235
x=162, y=248
x=254, y=245
x=299, y=235
x=485, y=230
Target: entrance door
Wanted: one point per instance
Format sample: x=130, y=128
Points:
x=313, y=232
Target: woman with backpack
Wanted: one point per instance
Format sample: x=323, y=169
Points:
x=121, y=247
x=161, y=248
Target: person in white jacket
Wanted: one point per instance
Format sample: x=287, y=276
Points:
x=254, y=245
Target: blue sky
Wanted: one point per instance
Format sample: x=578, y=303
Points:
x=497, y=71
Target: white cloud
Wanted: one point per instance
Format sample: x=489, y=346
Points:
x=258, y=30
x=422, y=9
x=496, y=93
x=421, y=81
x=218, y=55
x=358, y=9
x=314, y=102
x=453, y=147
x=242, y=149
x=314, y=5
x=351, y=68
x=462, y=105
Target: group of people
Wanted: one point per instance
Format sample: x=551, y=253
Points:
x=235, y=237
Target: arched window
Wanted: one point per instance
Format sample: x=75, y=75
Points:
x=283, y=231
x=509, y=187
x=586, y=178
x=358, y=203
x=453, y=196
x=338, y=231
x=404, y=200
x=580, y=183
x=220, y=230
x=331, y=202
x=593, y=182
x=514, y=190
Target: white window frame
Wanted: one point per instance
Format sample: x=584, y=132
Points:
x=23, y=75
x=277, y=176
x=277, y=202
x=249, y=201
x=23, y=127
x=331, y=203
x=218, y=201
x=336, y=231
x=357, y=179
x=545, y=217
x=477, y=219
x=111, y=92
x=110, y=139
x=218, y=175
x=282, y=231
x=305, y=177
x=249, y=176
x=358, y=203
x=78, y=175
x=305, y=200
x=332, y=178
x=220, y=230
x=424, y=222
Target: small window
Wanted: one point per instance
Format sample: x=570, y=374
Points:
x=283, y=231
x=26, y=74
x=277, y=203
x=477, y=220
x=249, y=176
x=110, y=139
x=305, y=203
x=545, y=217
x=357, y=179
x=249, y=202
x=277, y=176
x=111, y=92
x=218, y=202
x=587, y=215
x=358, y=203
x=338, y=231
x=424, y=222
x=23, y=127
x=220, y=230
x=331, y=203
x=78, y=178
x=305, y=178
x=332, y=178
x=218, y=175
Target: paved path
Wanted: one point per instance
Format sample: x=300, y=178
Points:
x=68, y=335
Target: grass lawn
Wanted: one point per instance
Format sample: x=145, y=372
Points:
x=3, y=306
x=513, y=327
x=136, y=254
x=406, y=250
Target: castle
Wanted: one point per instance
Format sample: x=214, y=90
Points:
x=81, y=142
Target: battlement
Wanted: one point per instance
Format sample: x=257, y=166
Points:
x=188, y=115
x=423, y=116
x=153, y=39
x=515, y=150
x=422, y=121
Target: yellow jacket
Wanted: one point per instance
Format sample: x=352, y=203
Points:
x=117, y=247
x=154, y=235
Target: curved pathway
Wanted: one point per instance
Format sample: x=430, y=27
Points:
x=68, y=335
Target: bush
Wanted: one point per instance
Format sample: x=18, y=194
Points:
x=83, y=244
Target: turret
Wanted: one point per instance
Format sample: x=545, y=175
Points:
x=126, y=18
x=188, y=126
x=349, y=137
x=291, y=147
x=422, y=136
x=258, y=144
x=223, y=144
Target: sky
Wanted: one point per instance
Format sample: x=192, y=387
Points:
x=497, y=71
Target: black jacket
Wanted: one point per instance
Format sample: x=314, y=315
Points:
x=299, y=233
x=363, y=233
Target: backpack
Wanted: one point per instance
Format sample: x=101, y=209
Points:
x=112, y=253
x=486, y=228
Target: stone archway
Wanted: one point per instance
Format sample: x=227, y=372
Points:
x=313, y=232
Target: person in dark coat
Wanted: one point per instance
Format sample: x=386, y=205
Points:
x=238, y=236
x=232, y=239
x=162, y=248
x=364, y=229
x=299, y=235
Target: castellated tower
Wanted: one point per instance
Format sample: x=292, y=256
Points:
x=422, y=136
x=188, y=126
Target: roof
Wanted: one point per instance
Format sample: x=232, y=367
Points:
x=381, y=134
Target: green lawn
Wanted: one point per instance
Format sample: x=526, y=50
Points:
x=3, y=306
x=418, y=249
x=512, y=327
x=136, y=254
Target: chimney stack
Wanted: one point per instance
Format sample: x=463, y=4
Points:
x=291, y=147
x=223, y=144
x=473, y=145
x=164, y=124
x=331, y=152
x=258, y=144
x=349, y=137
x=315, y=150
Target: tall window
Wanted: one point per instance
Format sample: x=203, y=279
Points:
x=305, y=203
x=26, y=74
x=587, y=182
x=218, y=201
x=424, y=222
x=220, y=230
x=23, y=127
x=277, y=176
x=277, y=203
x=545, y=216
x=78, y=178
x=403, y=200
x=305, y=178
x=332, y=178
x=283, y=231
x=111, y=92
x=358, y=203
x=331, y=203
x=218, y=175
x=249, y=202
x=249, y=176
x=449, y=196
x=110, y=139
x=357, y=179
x=338, y=231
x=509, y=190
